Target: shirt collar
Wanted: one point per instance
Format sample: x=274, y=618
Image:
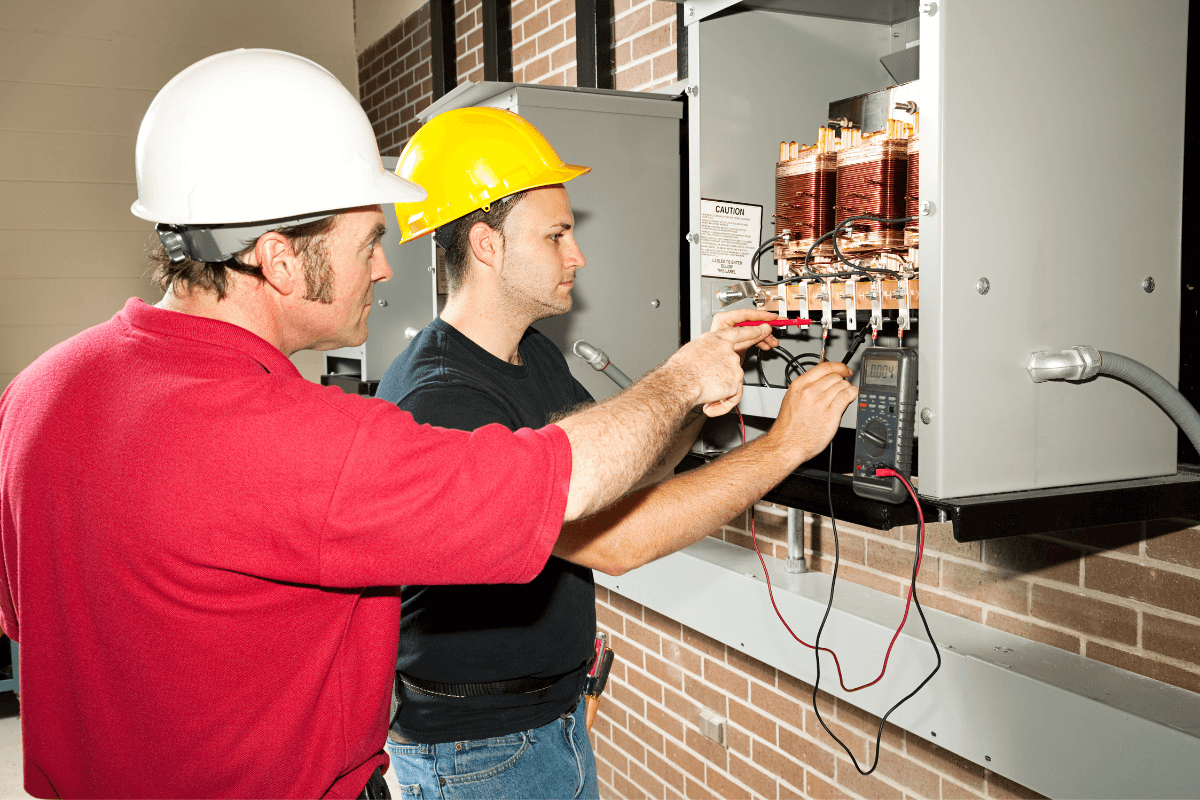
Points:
x=137, y=313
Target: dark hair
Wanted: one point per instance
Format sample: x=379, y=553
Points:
x=308, y=241
x=459, y=251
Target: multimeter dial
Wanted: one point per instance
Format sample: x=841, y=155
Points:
x=875, y=438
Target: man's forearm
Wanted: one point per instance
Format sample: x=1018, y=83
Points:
x=660, y=519
x=614, y=443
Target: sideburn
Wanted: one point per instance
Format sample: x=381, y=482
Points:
x=318, y=272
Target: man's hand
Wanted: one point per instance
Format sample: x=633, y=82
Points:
x=811, y=411
x=727, y=319
x=712, y=365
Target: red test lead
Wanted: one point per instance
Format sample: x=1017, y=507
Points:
x=774, y=323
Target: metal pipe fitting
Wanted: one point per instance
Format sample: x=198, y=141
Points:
x=795, y=558
x=599, y=361
x=1074, y=364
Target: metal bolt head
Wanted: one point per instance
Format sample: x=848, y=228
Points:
x=691, y=11
x=693, y=237
x=929, y=8
x=1148, y=285
x=655, y=304
x=983, y=286
x=927, y=415
x=926, y=208
x=692, y=91
x=381, y=302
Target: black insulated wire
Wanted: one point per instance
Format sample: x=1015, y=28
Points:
x=829, y=607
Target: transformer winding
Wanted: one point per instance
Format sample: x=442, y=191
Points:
x=872, y=177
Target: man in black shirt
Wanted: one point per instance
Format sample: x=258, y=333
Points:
x=490, y=678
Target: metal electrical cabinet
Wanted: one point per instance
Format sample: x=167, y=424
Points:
x=627, y=211
x=1051, y=166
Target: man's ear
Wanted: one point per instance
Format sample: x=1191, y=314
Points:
x=280, y=265
x=487, y=244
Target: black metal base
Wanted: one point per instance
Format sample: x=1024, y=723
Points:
x=994, y=516
x=351, y=384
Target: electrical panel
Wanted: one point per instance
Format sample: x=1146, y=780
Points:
x=1008, y=140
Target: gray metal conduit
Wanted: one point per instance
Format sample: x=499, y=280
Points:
x=598, y=360
x=1082, y=362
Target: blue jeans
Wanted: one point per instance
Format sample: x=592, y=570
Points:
x=552, y=762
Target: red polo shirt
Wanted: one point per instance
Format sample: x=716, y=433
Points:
x=187, y=527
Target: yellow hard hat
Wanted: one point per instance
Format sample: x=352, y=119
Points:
x=468, y=158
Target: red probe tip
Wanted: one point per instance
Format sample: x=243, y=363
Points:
x=774, y=323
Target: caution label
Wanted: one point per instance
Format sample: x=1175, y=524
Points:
x=728, y=238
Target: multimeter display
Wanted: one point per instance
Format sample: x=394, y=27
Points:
x=887, y=400
x=880, y=372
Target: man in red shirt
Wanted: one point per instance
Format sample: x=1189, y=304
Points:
x=187, y=526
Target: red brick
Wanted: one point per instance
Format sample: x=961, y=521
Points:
x=535, y=25
x=868, y=724
x=1132, y=662
x=819, y=539
x=697, y=790
x=606, y=750
x=680, y=706
x=524, y=53
x=1123, y=538
x=704, y=694
x=939, y=537
x=665, y=672
x=822, y=789
x=850, y=738
x=1027, y=556
x=951, y=605
x=733, y=537
x=647, y=735
x=601, y=725
x=630, y=24
x=767, y=524
x=880, y=583
x=802, y=692
x=631, y=78
x=986, y=585
x=609, y=620
x=625, y=696
x=908, y=773
x=643, y=636
x=1174, y=540
x=750, y=666
x=762, y=783
x=726, y=789
x=1090, y=616
x=955, y=766
x=761, y=726
x=604, y=773
x=726, y=679
x=626, y=788
x=898, y=560
x=710, y=647
x=648, y=44
x=625, y=605
x=645, y=684
x=706, y=748
x=668, y=772
x=651, y=785
x=952, y=791
x=807, y=752
x=561, y=10
x=1032, y=631
x=685, y=759
x=601, y=594
x=776, y=705
x=737, y=740
x=551, y=39
x=665, y=66
x=521, y=10
x=664, y=721
x=1002, y=787
x=775, y=764
x=626, y=651
x=865, y=785
x=629, y=745
x=1156, y=586
x=681, y=656
x=1171, y=637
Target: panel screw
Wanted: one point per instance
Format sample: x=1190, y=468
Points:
x=654, y=304
x=929, y=8
x=1148, y=285
x=693, y=237
x=926, y=415
x=691, y=11
x=926, y=208
x=983, y=286
x=381, y=302
x=692, y=91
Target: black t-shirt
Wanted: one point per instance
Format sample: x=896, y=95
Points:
x=482, y=634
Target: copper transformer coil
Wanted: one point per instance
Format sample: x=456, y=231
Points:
x=804, y=199
x=872, y=179
x=912, y=195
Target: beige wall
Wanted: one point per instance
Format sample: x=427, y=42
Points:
x=374, y=19
x=75, y=79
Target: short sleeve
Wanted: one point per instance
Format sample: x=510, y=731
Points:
x=457, y=406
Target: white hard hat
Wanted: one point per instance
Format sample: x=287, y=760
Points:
x=257, y=135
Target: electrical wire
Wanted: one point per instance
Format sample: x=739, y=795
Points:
x=816, y=646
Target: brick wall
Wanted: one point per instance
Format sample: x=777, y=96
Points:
x=468, y=40
x=395, y=81
x=648, y=745
x=1127, y=595
x=645, y=38
x=543, y=37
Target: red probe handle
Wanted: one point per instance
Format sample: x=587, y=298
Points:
x=774, y=323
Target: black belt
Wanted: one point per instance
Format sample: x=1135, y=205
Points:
x=515, y=686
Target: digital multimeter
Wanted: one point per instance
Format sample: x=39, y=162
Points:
x=887, y=403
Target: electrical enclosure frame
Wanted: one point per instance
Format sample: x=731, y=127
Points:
x=1032, y=115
